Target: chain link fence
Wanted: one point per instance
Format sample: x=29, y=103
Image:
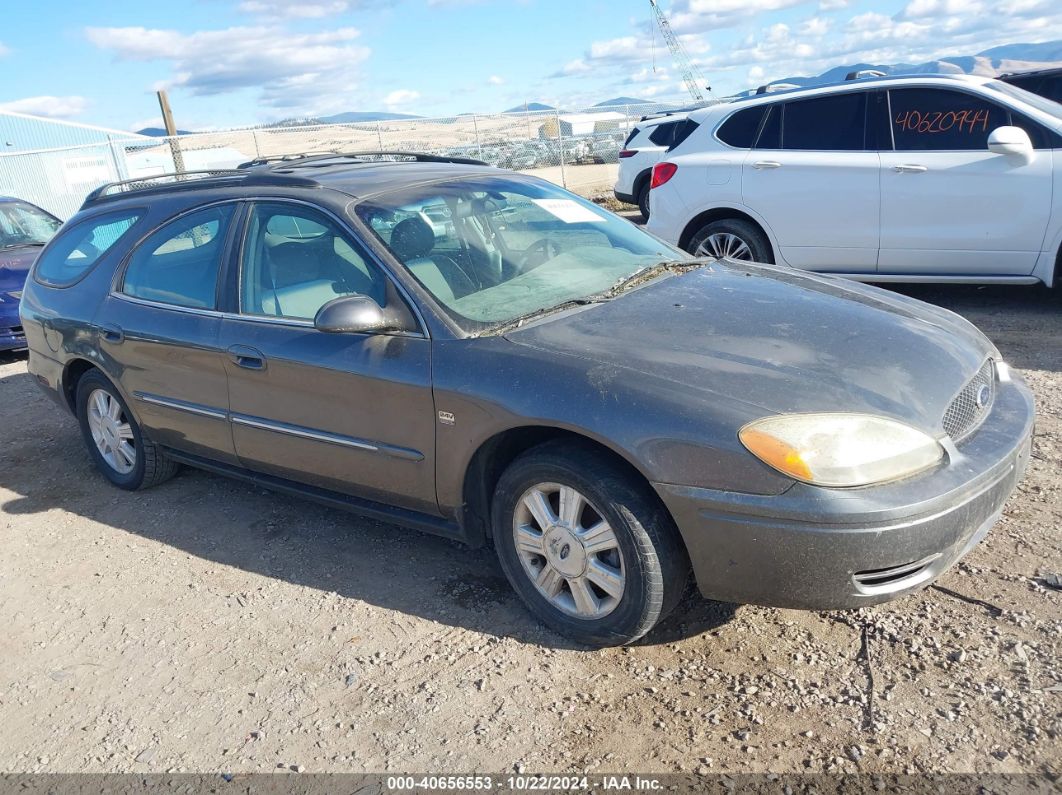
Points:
x=578, y=150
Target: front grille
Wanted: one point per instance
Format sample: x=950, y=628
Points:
x=970, y=407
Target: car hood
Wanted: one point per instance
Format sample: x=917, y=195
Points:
x=779, y=340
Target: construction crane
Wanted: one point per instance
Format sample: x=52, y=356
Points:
x=691, y=75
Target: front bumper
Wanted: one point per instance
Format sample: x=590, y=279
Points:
x=11, y=334
x=823, y=549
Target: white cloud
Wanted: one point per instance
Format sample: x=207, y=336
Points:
x=577, y=67
x=832, y=5
x=296, y=71
x=494, y=80
x=51, y=107
x=289, y=9
x=699, y=16
x=402, y=96
x=4, y=49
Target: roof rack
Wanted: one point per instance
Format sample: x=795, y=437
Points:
x=190, y=179
x=276, y=170
x=376, y=156
x=770, y=88
x=860, y=74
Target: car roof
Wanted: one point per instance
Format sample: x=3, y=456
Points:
x=355, y=174
x=839, y=87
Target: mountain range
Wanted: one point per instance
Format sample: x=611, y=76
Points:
x=993, y=61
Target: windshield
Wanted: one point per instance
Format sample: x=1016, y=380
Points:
x=25, y=225
x=1042, y=104
x=495, y=249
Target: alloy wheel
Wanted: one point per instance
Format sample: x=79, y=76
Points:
x=569, y=550
x=111, y=431
x=724, y=245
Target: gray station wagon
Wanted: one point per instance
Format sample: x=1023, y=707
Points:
x=482, y=355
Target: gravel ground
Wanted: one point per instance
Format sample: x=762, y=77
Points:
x=210, y=626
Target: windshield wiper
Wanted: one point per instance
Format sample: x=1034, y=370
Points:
x=21, y=245
x=650, y=272
x=640, y=276
x=517, y=322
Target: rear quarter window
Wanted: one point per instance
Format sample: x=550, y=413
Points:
x=663, y=134
x=683, y=130
x=77, y=249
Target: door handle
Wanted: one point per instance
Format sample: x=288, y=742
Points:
x=112, y=333
x=909, y=168
x=766, y=164
x=247, y=357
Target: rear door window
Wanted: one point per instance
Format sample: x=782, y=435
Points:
x=936, y=119
x=741, y=128
x=178, y=264
x=77, y=249
x=834, y=123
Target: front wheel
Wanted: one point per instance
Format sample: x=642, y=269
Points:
x=588, y=547
x=731, y=238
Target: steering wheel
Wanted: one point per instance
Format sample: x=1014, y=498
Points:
x=538, y=253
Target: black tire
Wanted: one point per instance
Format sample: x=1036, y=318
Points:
x=151, y=466
x=746, y=231
x=643, y=200
x=654, y=560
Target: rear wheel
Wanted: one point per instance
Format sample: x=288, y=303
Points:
x=643, y=201
x=122, y=453
x=589, y=548
x=731, y=238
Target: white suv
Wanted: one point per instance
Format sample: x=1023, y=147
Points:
x=927, y=179
x=643, y=149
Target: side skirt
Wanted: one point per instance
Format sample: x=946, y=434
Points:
x=416, y=520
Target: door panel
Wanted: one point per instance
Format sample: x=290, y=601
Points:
x=348, y=412
x=168, y=364
x=352, y=413
x=966, y=213
x=822, y=206
x=813, y=180
x=949, y=206
x=160, y=333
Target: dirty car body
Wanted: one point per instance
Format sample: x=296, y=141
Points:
x=532, y=348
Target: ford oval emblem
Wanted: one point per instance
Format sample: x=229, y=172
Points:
x=983, y=394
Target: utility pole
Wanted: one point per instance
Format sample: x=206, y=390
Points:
x=171, y=132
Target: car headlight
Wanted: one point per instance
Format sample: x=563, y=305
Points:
x=840, y=449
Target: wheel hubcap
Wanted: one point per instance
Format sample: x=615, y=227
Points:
x=111, y=431
x=723, y=245
x=569, y=550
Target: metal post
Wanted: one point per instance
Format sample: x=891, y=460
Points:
x=379, y=136
x=479, y=146
x=560, y=146
x=119, y=172
x=257, y=148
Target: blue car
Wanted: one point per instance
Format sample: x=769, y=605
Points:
x=24, y=229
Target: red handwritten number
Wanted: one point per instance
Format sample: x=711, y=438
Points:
x=934, y=122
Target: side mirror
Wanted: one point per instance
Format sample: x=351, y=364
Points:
x=1011, y=141
x=353, y=314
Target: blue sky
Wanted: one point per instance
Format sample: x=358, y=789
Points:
x=239, y=62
